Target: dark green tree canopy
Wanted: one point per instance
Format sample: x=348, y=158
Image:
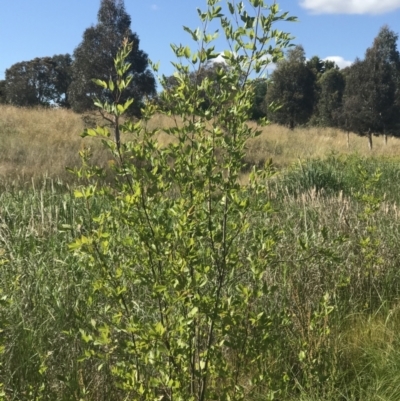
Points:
x=63, y=77
x=259, y=107
x=94, y=57
x=39, y=82
x=3, y=91
x=292, y=87
x=331, y=87
x=296, y=55
x=385, y=46
x=319, y=66
x=371, y=88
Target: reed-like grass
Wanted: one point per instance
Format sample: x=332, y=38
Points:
x=350, y=353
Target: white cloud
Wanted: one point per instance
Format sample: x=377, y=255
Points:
x=271, y=67
x=340, y=61
x=350, y=6
x=219, y=59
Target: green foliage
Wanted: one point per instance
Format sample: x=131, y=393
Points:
x=94, y=58
x=210, y=71
x=42, y=294
x=39, y=82
x=292, y=87
x=371, y=84
x=319, y=67
x=176, y=261
x=3, y=99
x=338, y=174
x=329, y=106
x=314, y=353
x=259, y=107
x=183, y=284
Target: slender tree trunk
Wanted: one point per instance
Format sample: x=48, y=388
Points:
x=385, y=138
x=348, y=139
x=117, y=133
x=369, y=140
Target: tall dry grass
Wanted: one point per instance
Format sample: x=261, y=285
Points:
x=285, y=146
x=40, y=142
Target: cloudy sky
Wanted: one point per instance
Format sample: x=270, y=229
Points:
x=340, y=30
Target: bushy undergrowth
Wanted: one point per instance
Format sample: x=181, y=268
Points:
x=335, y=329
x=340, y=174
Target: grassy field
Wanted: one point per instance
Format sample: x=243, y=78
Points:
x=39, y=143
x=333, y=254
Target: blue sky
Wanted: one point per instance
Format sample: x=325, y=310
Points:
x=327, y=28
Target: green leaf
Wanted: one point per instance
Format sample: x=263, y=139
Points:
x=85, y=337
x=101, y=83
x=194, y=34
x=187, y=52
x=159, y=328
x=193, y=312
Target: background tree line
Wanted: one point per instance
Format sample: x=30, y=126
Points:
x=66, y=81
x=363, y=98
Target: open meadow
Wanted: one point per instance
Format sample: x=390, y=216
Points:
x=43, y=142
x=333, y=309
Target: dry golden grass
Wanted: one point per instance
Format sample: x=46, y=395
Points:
x=285, y=146
x=38, y=142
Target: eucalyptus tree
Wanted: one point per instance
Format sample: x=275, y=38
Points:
x=331, y=87
x=385, y=49
x=94, y=58
x=370, y=106
x=292, y=87
x=319, y=68
x=3, y=91
x=39, y=82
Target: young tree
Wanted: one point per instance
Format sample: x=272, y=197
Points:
x=94, y=58
x=292, y=88
x=177, y=256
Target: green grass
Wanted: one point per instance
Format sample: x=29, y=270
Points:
x=339, y=174
x=349, y=352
